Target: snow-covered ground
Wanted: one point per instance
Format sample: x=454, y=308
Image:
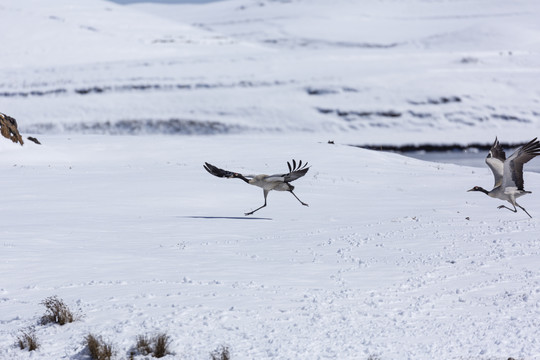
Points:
x=392, y=259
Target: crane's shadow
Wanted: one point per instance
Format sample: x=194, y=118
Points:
x=224, y=217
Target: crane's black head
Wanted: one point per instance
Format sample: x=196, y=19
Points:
x=234, y=175
x=214, y=170
x=479, y=188
x=240, y=176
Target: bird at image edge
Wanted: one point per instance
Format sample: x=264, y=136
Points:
x=278, y=182
x=508, y=173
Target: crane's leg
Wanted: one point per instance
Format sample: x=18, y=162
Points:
x=301, y=202
x=506, y=207
x=522, y=208
x=515, y=210
x=265, y=192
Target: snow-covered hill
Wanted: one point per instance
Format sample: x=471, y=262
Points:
x=436, y=71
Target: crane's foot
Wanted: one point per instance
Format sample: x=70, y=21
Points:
x=506, y=207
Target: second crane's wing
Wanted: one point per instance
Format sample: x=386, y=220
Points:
x=495, y=160
x=295, y=171
x=513, y=167
x=217, y=171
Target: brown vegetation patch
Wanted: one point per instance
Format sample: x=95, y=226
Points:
x=8, y=129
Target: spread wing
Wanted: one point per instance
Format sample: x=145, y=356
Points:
x=513, y=167
x=217, y=171
x=295, y=171
x=495, y=160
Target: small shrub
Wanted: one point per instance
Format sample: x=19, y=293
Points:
x=221, y=353
x=161, y=345
x=98, y=349
x=143, y=345
x=27, y=340
x=57, y=312
x=157, y=346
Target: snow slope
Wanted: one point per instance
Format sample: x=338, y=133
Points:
x=432, y=72
x=393, y=258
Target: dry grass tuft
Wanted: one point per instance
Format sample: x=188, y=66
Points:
x=161, y=345
x=143, y=345
x=157, y=346
x=27, y=340
x=98, y=349
x=57, y=312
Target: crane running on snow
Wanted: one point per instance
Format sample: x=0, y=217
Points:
x=278, y=182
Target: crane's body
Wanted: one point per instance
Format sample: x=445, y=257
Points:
x=277, y=182
x=508, y=173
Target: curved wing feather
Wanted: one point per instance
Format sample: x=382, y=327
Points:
x=495, y=160
x=296, y=171
x=513, y=166
x=217, y=171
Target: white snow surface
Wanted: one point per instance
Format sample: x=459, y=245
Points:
x=392, y=259
x=441, y=71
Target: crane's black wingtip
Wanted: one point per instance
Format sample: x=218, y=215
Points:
x=214, y=170
x=297, y=166
x=210, y=168
x=532, y=146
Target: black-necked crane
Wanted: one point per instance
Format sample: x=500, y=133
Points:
x=278, y=182
x=508, y=173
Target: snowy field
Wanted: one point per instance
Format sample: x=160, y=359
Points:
x=392, y=259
